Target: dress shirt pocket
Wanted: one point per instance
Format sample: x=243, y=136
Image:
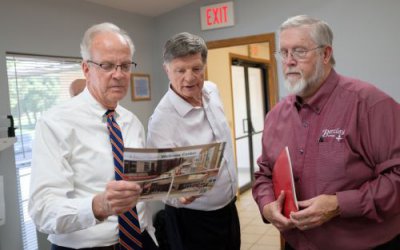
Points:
x=331, y=160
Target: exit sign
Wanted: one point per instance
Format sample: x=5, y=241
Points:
x=217, y=16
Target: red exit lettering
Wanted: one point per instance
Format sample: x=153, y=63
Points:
x=217, y=15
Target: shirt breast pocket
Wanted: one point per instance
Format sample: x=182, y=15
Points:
x=331, y=160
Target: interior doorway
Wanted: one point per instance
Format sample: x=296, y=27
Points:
x=230, y=62
x=249, y=79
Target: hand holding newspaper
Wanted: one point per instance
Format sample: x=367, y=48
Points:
x=173, y=172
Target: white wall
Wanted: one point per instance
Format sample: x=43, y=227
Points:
x=366, y=33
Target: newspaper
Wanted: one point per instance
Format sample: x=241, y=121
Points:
x=173, y=172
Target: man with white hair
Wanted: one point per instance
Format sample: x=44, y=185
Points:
x=344, y=143
x=78, y=193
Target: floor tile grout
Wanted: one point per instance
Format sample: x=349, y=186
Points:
x=251, y=225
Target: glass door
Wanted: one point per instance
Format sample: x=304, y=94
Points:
x=250, y=105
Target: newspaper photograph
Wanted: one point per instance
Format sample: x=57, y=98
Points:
x=173, y=172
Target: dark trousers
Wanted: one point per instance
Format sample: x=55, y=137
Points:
x=147, y=241
x=189, y=229
x=394, y=244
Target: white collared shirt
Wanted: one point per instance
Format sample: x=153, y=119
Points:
x=176, y=123
x=72, y=162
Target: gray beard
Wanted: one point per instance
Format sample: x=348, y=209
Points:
x=302, y=86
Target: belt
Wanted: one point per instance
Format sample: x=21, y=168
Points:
x=228, y=207
x=112, y=247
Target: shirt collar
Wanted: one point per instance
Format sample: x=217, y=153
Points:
x=320, y=98
x=95, y=107
x=182, y=106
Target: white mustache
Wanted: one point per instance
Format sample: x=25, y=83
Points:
x=290, y=71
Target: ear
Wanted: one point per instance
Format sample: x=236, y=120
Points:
x=327, y=54
x=85, y=69
x=165, y=66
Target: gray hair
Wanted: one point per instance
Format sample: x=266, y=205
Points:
x=87, y=40
x=184, y=44
x=320, y=32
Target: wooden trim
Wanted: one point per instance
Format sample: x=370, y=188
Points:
x=248, y=58
x=245, y=40
x=268, y=63
x=272, y=69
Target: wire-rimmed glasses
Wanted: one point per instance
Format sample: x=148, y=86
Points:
x=296, y=53
x=108, y=67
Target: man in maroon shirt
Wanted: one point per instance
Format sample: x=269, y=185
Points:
x=344, y=139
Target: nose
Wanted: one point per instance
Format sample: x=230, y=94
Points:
x=189, y=75
x=117, y=72
x=290, y=60
x=118, y=66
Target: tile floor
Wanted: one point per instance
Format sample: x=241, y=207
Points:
x=256, y=235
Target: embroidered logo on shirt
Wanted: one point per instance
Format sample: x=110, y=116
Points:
x=336, y=133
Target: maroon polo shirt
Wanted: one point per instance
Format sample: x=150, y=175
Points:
x=346, y=141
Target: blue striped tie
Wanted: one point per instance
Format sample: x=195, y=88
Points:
x=129, y=228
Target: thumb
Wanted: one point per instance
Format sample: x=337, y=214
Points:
x=305, y=203
x=281, y=197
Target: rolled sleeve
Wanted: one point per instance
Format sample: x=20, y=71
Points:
x=350, y=203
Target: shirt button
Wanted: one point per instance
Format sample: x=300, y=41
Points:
x=305, y=124
x=301, y=151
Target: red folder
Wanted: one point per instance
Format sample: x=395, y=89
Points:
x=282, y=179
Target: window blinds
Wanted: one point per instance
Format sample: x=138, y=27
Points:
x=36, y=83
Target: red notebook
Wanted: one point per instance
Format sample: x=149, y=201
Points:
x=282, y=179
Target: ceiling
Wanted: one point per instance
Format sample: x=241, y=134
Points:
x=150, y=8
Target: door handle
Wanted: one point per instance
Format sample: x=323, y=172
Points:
x=252, y=128
x=244, y=125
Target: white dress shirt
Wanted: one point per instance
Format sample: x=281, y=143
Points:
x=176, y=123
x=72, y=162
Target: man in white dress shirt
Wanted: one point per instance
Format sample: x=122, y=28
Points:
x=191, y=113
x=74, y=196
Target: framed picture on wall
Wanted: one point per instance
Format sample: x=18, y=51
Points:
x=140, y=87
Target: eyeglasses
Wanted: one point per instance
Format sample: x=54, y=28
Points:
x=108, y=67
x=297, y=53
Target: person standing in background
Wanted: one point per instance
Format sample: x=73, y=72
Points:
x=343, y=137
x=75, y=195
x=76, y=87
x=191, y=113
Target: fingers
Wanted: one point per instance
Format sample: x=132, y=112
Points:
x=283, y=225
x=281, y=198
x=303, y=222
x=315, y=212
x=273, y=213
x=187, y=200
x=306, y=218
x=120, y=196
x=120, y=186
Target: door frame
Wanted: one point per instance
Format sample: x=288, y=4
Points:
x=267, y=65
x=272, y=70
x=272, y=88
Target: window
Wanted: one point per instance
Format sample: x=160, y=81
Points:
x=36, y=83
